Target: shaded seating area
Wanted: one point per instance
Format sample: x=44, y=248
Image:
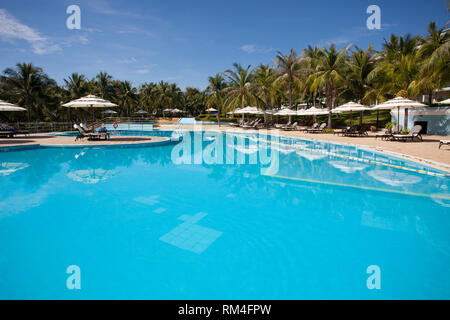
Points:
x=252, y=125
x=10, y=132
x=290, y=127
x=314, y=126
x=6, y=134
x=388, y=134
x=412, y=135
x=355, y=131
x=82, y=133
x=319, y=129
x=237, y=124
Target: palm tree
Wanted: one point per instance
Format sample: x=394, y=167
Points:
x=330, y=74
x=194, y=101
x=238, y=91
x=360, y=64
x=148, y=94
x=434, y=55
x=289, y=69
x=103, y=84
x=169, y=95
x=265, y=87
x=398, y=66
x=77, y=85
x=28, y=84
x=216, y=86
x=308, y=64
x=126, y=96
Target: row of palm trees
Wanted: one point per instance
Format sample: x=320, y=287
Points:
x=28, y=86
x=406, y=65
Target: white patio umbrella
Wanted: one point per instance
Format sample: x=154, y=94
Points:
x=247, y=110
x=211, y=110
x=141, y=112
x=350, y=107
x=315, y=111
x=447, y=101
x=6, y=106
x=398, y=103
x=109, y=111
x=169, y=110
x=89, y=101
x=286, y=112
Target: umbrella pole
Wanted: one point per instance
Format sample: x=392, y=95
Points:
x=351, y=117
x=398, y=119
x=360, y=118
x=406, y=119
x=377, y=119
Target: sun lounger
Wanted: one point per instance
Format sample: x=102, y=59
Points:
x=6, y=134
x=317, y=130
x=362, y=130
x=237, y=124
x=252, y=125
x=314, y=126
x=85, y=128
x=385, y=135
x=290, y=128
x=90, y=135
x=15, y=130
x=414, y=133
x=279, y=126
x=444, y=142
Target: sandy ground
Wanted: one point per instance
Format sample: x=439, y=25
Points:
x=426, y=152
x=43, y=139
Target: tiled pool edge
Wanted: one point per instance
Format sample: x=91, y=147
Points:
x=20, y=148
x=114, y=146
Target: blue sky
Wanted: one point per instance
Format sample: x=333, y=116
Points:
x=187, y=41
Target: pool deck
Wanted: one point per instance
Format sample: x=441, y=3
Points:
x=60, y=141
x=426, y=152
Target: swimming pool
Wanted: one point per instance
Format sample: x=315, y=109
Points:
x=305, y=224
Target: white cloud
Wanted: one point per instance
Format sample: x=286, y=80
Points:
x=11, y=29
x=127, y=60
x=253, y=48
x=104, y=7
x=249, y=48
x=134, y=30
x=142, y=71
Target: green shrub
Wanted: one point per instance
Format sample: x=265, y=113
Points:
x=390, y=125
x=328, y=130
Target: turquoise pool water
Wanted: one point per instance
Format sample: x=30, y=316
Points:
x=142, y=226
